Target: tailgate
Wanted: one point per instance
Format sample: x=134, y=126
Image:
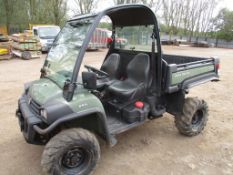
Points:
x=185, y=76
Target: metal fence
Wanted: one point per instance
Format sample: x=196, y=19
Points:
x=212, y=42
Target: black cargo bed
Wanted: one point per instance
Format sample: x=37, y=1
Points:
x=178, y=59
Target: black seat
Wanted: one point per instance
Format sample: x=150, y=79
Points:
x=136, y=83
x=111, y=66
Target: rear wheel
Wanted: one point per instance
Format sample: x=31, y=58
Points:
x=26, y=55
x=71, y=152
x=193, y=118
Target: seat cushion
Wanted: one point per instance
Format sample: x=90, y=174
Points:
x=126, y=90
x=102, y=83
x=136, y=83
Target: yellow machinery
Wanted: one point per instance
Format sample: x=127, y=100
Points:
x=5, y=46
x=3, y=51
x=3, y=30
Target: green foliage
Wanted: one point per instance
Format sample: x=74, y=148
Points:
x=18, y=14
x=105, y=25
x=224, y=25
x=13, y=14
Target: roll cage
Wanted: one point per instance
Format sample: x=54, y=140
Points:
x=122, y=15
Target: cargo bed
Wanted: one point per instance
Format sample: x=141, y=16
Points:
x=183, y=72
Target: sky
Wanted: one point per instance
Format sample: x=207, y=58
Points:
x=102, y=4
x=226, y=3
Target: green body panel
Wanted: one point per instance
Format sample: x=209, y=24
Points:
x=83, y=100
x=180, y=76
x=44, y=91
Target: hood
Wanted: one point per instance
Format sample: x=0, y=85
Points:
x=121, y=39
x=44, y=89
x=47, y=37
x=46, y=41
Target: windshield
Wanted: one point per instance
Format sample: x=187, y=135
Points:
x=63, y=54
x=48, y=32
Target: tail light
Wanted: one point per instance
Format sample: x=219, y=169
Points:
x=139, y=104
x=217, y=66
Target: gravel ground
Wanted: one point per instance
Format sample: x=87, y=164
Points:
x=153, y=148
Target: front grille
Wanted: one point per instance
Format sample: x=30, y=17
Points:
x=35, y=107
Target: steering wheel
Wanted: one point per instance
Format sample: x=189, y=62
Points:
x=100, y=74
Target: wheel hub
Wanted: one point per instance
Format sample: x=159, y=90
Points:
x=73, y=158
x=197, y=118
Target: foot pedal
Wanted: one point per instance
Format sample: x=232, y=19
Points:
x=113, y=141
x=157, y=112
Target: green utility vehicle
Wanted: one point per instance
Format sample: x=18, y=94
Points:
x=67, y=108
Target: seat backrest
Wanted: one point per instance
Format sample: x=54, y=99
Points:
x=138, y=68
x=111, y=65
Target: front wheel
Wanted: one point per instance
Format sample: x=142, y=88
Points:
x=26, y=55
x=71, y=152
x=193, y=118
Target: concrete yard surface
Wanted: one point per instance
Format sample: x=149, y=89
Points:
x=155, y=148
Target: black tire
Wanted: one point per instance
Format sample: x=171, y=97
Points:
x=193, y=118
x=26, y=55
x=71, y=152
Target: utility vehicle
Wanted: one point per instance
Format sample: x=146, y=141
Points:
x=46, y=34
x=67, y=108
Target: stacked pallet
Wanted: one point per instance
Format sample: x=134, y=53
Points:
x=4, y=47
x=26, y=46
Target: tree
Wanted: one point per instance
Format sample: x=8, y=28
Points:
x=31, y=9
x=188, y=17
x=59, y=10
x=13, y=14
x=40, y=11
x=8, y=6
x=206, y=24
x=17, y=14
x=172, y=13
x=223, y=24
x=155, y=4
x=85, y=6
x=47, y=12
x=194, y=12
x=118, y=2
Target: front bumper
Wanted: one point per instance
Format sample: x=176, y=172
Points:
x=45, y=48
x=27, y=119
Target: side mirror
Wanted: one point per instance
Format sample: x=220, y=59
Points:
x=89, y=80
x=68, y=90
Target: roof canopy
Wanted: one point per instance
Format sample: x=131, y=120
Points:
x=130, y=15
x=127, y=15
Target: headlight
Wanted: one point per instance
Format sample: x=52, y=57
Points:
x=43, y=113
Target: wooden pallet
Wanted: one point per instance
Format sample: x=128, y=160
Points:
x=5, y=57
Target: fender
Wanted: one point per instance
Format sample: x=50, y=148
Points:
x=110, y=139
x=200, y=79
